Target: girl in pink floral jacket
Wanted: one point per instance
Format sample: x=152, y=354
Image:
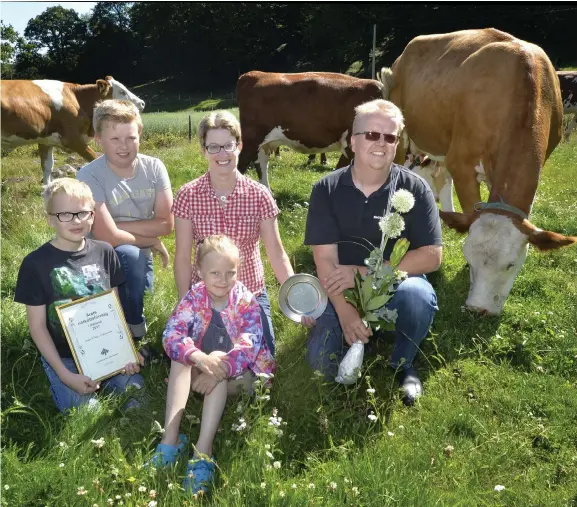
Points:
x=217, y=331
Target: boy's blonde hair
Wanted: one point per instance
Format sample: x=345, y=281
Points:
x=67, y=186
x=115, y=111
x=218, y=120
x=380, y=106
x=218, y=243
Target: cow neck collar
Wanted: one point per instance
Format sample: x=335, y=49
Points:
x=500, y=205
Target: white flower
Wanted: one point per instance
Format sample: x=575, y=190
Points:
x=64, y=445
x=241, y=426
x=152, y=503
x=152, y=493
x=6, y=487
x=270, y=454
x=392, y=225
x=355, y=490
x=371, y=391
x=142, y=489
x=81, y=491
x=110, y=501
x=390, y=433
x=372, y=417
x=157, y=427
x=276, y=464
x=264, y=397
x=311, y=486
x=274, y=421
x=170, y=485
x=127, y=495
x=498, y=487
x=61, y=465
x=281, y=494
x=99, y=444
x=403, y=201
x=333, y=486
x=293, y=486
x=263, y=485
x=267, y=447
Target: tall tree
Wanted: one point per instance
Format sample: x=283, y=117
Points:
x=62, y=33
x=8, y=47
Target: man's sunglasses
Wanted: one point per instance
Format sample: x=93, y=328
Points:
x=375, y=136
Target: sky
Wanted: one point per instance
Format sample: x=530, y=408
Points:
x=18, y=14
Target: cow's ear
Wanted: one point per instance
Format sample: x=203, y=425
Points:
x=458, y=221
x=103, y=87
x=547, y=240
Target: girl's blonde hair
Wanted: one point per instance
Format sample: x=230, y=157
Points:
x=218, y=243
x=218, y=120
x=115, y=111
x=70, y=187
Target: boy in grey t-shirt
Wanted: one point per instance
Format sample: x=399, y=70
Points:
x=133, y=201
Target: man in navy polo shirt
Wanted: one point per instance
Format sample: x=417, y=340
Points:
x=342, y=222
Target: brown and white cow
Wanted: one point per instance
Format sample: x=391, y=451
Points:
x=484, y=99
x=568, y=82
x=311, y=112
x=53, y=113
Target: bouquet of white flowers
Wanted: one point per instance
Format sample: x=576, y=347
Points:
x=373, y=291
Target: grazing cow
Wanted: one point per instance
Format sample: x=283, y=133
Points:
x=311, y=112
x=486, y=102
x=52, y=113
x=568, y=82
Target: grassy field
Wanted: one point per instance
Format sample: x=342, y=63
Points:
x=500, y=404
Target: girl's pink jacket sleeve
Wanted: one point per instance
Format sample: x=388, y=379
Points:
x=176, y=338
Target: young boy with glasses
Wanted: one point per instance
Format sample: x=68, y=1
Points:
x=69, y=267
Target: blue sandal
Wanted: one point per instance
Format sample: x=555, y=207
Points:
x=199, y=476
x=166, y=455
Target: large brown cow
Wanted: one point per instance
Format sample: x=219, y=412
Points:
x=568, y=82
x=53, y=113
x=310, y=112
x=488, y=103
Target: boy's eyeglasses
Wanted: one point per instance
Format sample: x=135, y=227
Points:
x=215, y=148
x=67, y=216
x=375, y=136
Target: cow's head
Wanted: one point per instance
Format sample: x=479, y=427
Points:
x=110, y=88
x=495, y=251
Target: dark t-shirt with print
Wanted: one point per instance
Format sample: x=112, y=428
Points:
x=50, y=276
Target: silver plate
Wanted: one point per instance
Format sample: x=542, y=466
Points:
x=302, y=296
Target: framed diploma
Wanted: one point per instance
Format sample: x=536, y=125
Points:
x=98, y=335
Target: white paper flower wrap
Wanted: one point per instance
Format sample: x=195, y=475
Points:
x=350, y=367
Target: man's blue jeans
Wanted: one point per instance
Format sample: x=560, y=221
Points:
x=268, y=331
x=138, y=270
x=66, y=398
x=416, y=303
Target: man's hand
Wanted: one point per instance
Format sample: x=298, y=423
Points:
x=343, y=277
x=80, y=383
x=160, y=249
x=352, y=325
x=204, y=383
x=133, y=368
x=212, y=365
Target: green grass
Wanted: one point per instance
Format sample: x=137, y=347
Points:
x=501, y=393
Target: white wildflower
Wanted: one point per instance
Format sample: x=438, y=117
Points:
x=372, y=417
x=392, y=225
x=281, y=494
x=157, y=427
x=142, y=489
x=117, y=497
x=274, y=421
x=403, y=201
x=390, y=433
x=263, y=485
x=110, y=501
x=371, y=391
x=152, y=494
x=498, y=487
x=99, y=444
x=347, y=480
x=152, y=503
x=170, y=486
x=264, y=397
x=267, y=447
x=81, y=491
x=293, y=486
x=270, y=454
x=239, y=408
x=6, y=487
x=241, y=426
x=311, y=486
x=333, y=486
x=127, y=495
x=268, y=467
x=355, y=490
x=64, y=445
x=276, y=464
x=61, y=465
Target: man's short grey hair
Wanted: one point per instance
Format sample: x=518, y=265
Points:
x=380, y=106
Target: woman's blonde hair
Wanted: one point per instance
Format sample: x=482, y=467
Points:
x=115, y=111
x=218, y=120
x=70, y=187
x=380, y=106
x=218, y=243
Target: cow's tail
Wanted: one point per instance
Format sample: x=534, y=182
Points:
x=386, y=77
